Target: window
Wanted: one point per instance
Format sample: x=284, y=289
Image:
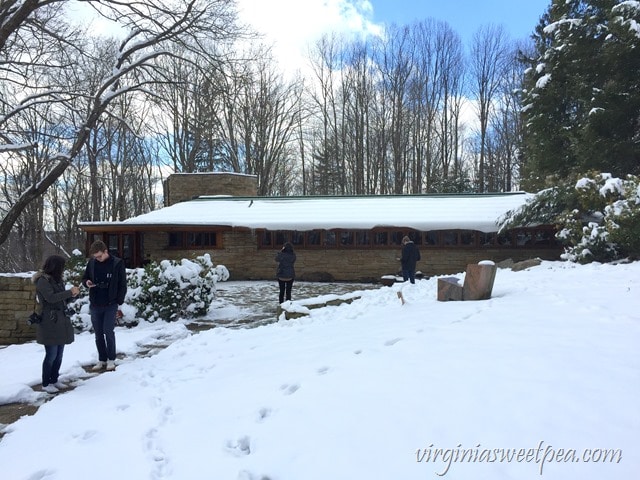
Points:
x=201, y=239
x=505, y=239
x=265, y=238
x=192, y=240
x=297, y=238
x=467, y=238
x=314, y=238
x=281, y=237
x=544, y=238
x=416, y=237
x=346, y=238
x=396, y=238
x=112, y=242
x=431, y=238
x=176, y=239
x=524, y=238
x=381, y=238
x=450, y=238
x=487, y=239
x=363, y=239
x=330, y=238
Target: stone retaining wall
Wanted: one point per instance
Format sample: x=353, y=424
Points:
x=17, y=294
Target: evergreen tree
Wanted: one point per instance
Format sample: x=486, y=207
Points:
x=581, y=96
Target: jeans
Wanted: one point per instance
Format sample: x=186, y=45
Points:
x=285, y=287
x=103, y=320
x=51, y=363
x=409, y=275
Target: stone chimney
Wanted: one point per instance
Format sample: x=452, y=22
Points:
x=179, y=187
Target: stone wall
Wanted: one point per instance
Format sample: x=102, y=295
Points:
x=17, y=294
x=179, y=187
x=246, y=262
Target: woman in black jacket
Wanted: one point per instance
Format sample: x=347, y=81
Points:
x=286, y=272
x=55, y=331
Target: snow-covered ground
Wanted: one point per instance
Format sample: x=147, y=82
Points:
x=540, y=381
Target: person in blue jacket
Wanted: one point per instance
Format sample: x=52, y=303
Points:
x=286, y=272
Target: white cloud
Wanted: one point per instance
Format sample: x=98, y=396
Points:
x=291, y=26
x=96, y=25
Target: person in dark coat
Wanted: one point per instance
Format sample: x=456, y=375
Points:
x=286, y=273
x=106, y=278
x=55, y=331
x=410, y=256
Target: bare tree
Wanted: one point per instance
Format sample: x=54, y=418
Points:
x=185, y=119
x=506, y=130
x=437, y=92
x=490, y=54
x=357, y=94
x=37, y=45
x=267, y=127
x=327, y=172
x=396, y=68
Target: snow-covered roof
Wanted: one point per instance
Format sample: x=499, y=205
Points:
x=420, y=212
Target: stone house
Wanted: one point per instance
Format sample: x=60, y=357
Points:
x=355, y=238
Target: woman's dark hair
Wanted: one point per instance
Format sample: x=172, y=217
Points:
x=54, y=266
x=287, y=247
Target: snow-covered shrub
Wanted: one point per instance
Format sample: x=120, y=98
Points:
x=74, y=270
x=165, y=290
x=598, y=217
x=622, y=219
x=168, y=290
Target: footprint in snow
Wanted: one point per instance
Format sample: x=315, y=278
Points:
x=239, y=447
x=42, y=475
x=391, y=342
x=161, y=467
x=244, y=475
x=263, y=413
x=289, y=389
x=322, y=370
x=85, y=436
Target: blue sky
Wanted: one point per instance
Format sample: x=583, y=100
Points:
x=519, y=17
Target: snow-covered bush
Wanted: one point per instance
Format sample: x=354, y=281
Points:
x=169, y=289
x=597, y=216
x=166, y=290
x=74, y=270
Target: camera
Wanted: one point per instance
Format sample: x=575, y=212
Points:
x=34, y=319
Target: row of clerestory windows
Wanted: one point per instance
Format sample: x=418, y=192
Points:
x=385, y=238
